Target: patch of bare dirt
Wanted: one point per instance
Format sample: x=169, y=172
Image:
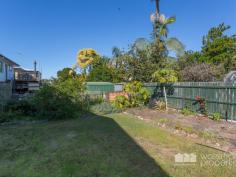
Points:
x=220, y=135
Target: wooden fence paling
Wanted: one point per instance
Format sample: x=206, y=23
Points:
x=220, y=97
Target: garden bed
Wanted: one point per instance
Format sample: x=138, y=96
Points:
x=217, y=134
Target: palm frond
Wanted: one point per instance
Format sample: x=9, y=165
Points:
x=164, y=31
x=175, y=45
x=170, y=20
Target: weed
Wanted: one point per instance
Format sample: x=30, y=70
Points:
x=163, y=120
x=216, y=116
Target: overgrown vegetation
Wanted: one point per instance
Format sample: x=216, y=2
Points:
x=61, y=98
x=137, y=96
x=121, y=102
x=104, y=108
x=216, y=116
x=216, y=58
x=146, y=56
x=146, y=60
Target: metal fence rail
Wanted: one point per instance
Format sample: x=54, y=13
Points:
x=220, y=97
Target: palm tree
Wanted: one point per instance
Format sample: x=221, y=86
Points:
x=163, y=23
x=173, y=44
x=157, y=6
x=116, y=52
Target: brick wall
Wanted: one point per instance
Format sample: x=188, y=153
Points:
x=112, y=95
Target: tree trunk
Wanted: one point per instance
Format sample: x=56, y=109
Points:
x=158, y=7
x=165, y=97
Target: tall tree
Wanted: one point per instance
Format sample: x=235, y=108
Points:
x=66, y=73
x=218, y=47
x=160, y=31
x=116, y=52
x=216, y=58
x=165, y=76
x=157, y=6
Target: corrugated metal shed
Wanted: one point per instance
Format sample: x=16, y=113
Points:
x=99, y=87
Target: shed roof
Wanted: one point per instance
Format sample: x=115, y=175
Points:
x=99, y=83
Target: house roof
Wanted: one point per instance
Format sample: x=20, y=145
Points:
x=20, y=69
x=8, y=60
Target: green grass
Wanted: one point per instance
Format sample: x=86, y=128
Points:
x=97, y=146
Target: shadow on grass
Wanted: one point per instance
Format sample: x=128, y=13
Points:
x=93, y=146
x=118, y=150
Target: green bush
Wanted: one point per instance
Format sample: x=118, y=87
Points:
x=72, y=88
x=138, y=95
x=103, y=108
x=216, y=116
x=57, y=99
x=13, y=116
x=53, y=104
x=22, y=107
x=6, y=116
x=61, y=99
x=121, y=102
x=95, y=99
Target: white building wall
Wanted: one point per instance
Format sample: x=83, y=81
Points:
x=3, y=73
x=10, y=73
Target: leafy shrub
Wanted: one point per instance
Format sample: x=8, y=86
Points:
x=22, y=107
x=95, y=99
x=121, y=102
x=103, y=108
x=165, y=76
x=216, y=116
x=187, y=112
x=202, y=104
x=138, y=95
x=60, y=98
x=52, y=104
x=72, y=88
x=6, y=116
x=198, y=72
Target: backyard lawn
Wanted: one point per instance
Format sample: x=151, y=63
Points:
x=118, y=145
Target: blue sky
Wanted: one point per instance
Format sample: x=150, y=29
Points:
x=52, y=31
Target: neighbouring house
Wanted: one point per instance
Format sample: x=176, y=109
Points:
x=26, y=80
x=21, y=81
x=7, y=69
